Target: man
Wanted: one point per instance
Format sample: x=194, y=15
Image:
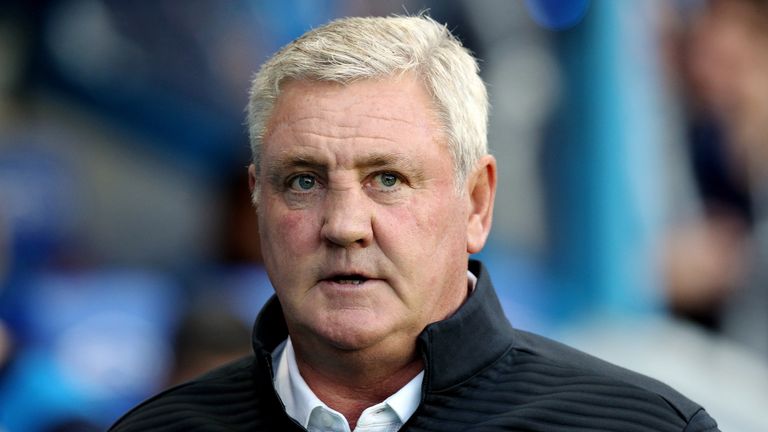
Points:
x=372, y=184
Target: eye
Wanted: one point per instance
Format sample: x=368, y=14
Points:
x=302, y=182
x=387, y=179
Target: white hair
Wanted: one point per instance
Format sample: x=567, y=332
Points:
x=351, y=49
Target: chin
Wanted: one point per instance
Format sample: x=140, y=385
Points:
x=352, y=334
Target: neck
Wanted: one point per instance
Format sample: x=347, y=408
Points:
x=354, y=381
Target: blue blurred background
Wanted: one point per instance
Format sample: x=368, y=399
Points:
x=632, y=140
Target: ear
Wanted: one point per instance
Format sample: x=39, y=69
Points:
x=252, y=182
x=481, y=188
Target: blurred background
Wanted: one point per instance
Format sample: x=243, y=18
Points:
x=632, y=140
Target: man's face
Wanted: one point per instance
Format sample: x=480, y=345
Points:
x=363, y=233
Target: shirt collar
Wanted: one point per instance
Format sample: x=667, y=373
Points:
x=299, y=400
x=471, y=281
x=405, y=401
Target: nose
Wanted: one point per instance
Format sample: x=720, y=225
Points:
x=347, y=219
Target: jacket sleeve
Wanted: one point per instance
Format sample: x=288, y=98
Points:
x=701, y=422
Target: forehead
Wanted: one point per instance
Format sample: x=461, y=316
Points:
x=373, y=113
x=406, y=87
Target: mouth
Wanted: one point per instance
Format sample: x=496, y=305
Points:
x=347, y=278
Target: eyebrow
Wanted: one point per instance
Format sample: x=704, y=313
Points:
x=375, y=160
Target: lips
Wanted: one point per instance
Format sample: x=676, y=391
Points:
x=347, y=279
x=351, y=278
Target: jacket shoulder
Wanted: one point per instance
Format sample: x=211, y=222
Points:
x=608, y=382
x=226, y=396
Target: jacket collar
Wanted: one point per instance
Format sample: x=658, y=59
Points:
x=468, y=341
x=454, y=349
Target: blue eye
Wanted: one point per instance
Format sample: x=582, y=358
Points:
x=388, y=180
x=303, y=182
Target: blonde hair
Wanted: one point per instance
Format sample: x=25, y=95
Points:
x=351, y=49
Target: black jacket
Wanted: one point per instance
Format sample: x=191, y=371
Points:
x=480, y=375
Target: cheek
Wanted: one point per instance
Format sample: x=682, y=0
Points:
x=287, y=232
x=289, y=223
x=442, y=215
x=421, y=225
x=298, y=232
x=398, y=224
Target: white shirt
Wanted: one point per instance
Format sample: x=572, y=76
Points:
x=308, y=410
x=302, y=405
